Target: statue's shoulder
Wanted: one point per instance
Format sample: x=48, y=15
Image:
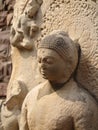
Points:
x=78, y=94
x=85, y=99
x=35, y=91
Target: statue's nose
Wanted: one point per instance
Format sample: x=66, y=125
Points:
x=43, y=65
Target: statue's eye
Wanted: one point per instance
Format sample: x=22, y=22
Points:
x=39, y=60
x=49, y=61
x=45, y=60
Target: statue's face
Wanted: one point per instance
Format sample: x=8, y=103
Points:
x=30, y=12
x=51, y=65
x=32, y=8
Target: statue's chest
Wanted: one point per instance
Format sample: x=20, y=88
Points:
x=50, y=113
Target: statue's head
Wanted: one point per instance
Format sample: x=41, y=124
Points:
x=57, y=56
x=32, y=7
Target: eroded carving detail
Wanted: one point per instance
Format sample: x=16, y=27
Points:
x=26, y=27
x=10, y=111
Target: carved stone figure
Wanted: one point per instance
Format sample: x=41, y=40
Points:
x=22, y=33
x=59, y=103
x=79, y=18
x=10, y=111
x=26, y=26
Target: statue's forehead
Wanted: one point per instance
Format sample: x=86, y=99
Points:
x=47, y=52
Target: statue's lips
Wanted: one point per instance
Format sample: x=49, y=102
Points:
x=44, y=72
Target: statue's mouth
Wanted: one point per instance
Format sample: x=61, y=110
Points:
x=43, y=72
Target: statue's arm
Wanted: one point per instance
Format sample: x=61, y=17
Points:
x=23, y=121
x=83, y=119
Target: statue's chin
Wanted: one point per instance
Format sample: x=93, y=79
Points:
x=46, y=76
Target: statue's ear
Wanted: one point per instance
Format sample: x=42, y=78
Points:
x=76, y=42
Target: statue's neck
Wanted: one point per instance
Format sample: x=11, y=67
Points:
x=51, y=87
x=58, y=85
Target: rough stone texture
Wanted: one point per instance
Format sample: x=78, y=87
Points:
x=5, y=61
x=3, y=87
x=6, y=10
x=6, y=15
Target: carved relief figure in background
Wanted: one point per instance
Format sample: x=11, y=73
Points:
x=11, y=109
x=26, y=26
x=59, y=103
x=21, y=36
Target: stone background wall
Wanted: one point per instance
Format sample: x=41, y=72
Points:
x=6, y=15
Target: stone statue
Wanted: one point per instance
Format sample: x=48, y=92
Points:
x=70, y=100
x=26, y=26
x=59, y=103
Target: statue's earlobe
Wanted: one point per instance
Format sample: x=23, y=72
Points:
x=76, y=42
